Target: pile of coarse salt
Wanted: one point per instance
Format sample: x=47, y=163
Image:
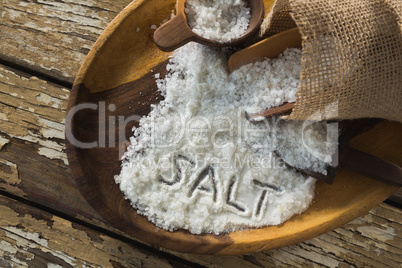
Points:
x=218, y=20
x=196, y=163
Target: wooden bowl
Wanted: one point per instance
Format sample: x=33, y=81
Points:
x=119, y=70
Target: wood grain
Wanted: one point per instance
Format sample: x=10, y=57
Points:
x=352, y=245
x=54, y=36
x=30, y=237
x=32, y=159
x=270, y=47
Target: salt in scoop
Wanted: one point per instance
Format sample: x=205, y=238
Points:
x=271, y=47
x=352, y=159
x=176, y=32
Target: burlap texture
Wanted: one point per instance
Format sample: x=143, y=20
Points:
x=351, y=59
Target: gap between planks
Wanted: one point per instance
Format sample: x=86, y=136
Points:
x=30, y=230
x=26, y=71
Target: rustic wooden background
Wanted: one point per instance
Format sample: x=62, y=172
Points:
x=43, y=217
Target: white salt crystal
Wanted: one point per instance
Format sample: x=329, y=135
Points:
x=219, y=20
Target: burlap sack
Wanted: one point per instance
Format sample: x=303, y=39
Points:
x=352, y=57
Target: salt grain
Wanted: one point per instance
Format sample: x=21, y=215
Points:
x=219, y=20
x=196, y=163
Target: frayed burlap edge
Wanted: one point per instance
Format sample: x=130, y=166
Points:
x=351, y=60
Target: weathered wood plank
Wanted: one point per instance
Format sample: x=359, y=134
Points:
x=356, y=243
x=54, y=35
x=374, y=240
x=30, y=237
x=33, y=163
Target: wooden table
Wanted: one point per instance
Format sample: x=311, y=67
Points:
x=44, y=219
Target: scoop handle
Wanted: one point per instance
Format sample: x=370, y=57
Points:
x=270, y=47
x=283, y=109
x=173, y=34
x=372, y=167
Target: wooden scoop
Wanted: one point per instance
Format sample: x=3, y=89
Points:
x=176, y=31
x=357, y=161
x=271, y=47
